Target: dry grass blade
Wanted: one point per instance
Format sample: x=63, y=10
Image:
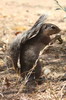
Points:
x=1, y=94
x=60, y=5
x=62, y=90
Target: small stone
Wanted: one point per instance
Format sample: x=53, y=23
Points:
x=47, y=71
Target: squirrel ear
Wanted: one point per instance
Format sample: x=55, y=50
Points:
x=44, y=26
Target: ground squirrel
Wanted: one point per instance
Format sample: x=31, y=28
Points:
x=26, y=46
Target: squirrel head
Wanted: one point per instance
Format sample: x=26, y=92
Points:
x=49, y=29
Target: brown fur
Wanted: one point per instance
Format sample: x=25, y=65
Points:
x=26, y=46
x=29, y=51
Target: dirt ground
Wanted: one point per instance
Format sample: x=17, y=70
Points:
x=18, y=16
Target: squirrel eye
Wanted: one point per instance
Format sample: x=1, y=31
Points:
x=53, y=27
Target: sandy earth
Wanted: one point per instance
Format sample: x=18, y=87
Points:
x=18, y=16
